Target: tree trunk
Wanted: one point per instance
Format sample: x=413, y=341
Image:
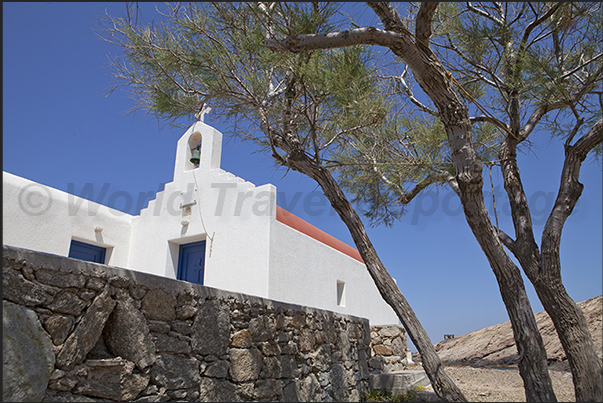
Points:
x=532, y=354
x=454, y=114
x=573, y=332
x=443, y=386
x=436, y=82
x=570, y=325
x=544, y=268
x=575, y=338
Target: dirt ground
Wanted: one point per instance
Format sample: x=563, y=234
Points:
x=504, y=385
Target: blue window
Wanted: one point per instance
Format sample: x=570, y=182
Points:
x=87, y=252
x=191, y=262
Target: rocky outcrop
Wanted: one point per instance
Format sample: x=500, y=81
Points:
x=495, y=346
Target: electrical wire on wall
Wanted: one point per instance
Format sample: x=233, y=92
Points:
x=211, y=238
x=203, y=110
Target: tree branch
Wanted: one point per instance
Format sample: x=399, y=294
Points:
x=408, y=92
x=579, y=122
x=451, y=180
x=495, y=82
x=484, y=14
x=570, y=188
x=423, y=24
x=543, y=109
x=535, y=23
x=339, y=134
x=569, y=73
x=507, y=241
x=525, y=249
x=489, y=119
x=406, y=197
x=587, y=142
x=358, y=36
x=519, y=14
x=387, y=13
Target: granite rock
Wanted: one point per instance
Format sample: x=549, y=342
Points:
x=27, y=355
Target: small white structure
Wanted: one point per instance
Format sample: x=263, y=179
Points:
x=207, y=226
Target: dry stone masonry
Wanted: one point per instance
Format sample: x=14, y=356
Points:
x=388, y=349
x=99, y=333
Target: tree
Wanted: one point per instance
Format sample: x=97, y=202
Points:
x=297, y=105
x=525, y=62
x=316, y=98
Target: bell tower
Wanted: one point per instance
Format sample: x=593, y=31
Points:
x=200, y=141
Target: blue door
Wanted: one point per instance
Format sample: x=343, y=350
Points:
x=191, y=262
x=87, y=252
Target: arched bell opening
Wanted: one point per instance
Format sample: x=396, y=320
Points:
x=193, y=154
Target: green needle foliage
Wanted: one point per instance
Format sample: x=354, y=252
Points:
x=347, y=111
x=350, y=107
x=334, y=102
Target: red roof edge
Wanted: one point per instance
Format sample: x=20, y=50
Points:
x=305, y=227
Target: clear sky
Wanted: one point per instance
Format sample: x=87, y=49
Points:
x=60, y=129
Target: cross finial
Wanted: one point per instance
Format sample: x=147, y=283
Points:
x=202, y=112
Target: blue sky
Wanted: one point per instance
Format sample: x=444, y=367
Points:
x=60, y=129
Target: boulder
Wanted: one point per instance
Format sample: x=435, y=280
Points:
x=380, y=349
x=60, y=279
x=59, y=327
x=159, y=305
x=211, y=329
x=28, y=358
x=307, y=340
x=495, y=345
x=269, y=349
x=68, y=303
x=241, y=339
x=339, y=383
x=218, y=369
x=272, y=367
x=169, y=344
x=182, y=327
x=175, y=372
x=245, y=364
x=303, y=390
x=288, y=366
x=390, y=331
x=127, y=335
x=398, y=347
x=267, y=390
x=87, y=332
x=321, y=358
x=214, y=390
x=111, y=379
x=262, y=328
x=17, y=289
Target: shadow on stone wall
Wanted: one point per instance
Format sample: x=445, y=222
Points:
x=98, y=333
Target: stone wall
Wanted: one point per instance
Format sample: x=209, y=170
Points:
x=388, y=349
x=119, y=335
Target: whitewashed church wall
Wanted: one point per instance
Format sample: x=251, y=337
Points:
x=42, y=218
x=305, y=271
x=230, y=214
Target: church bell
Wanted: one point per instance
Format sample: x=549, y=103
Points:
x=196, y=158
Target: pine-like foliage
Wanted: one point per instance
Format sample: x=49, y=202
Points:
x=357, y=109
